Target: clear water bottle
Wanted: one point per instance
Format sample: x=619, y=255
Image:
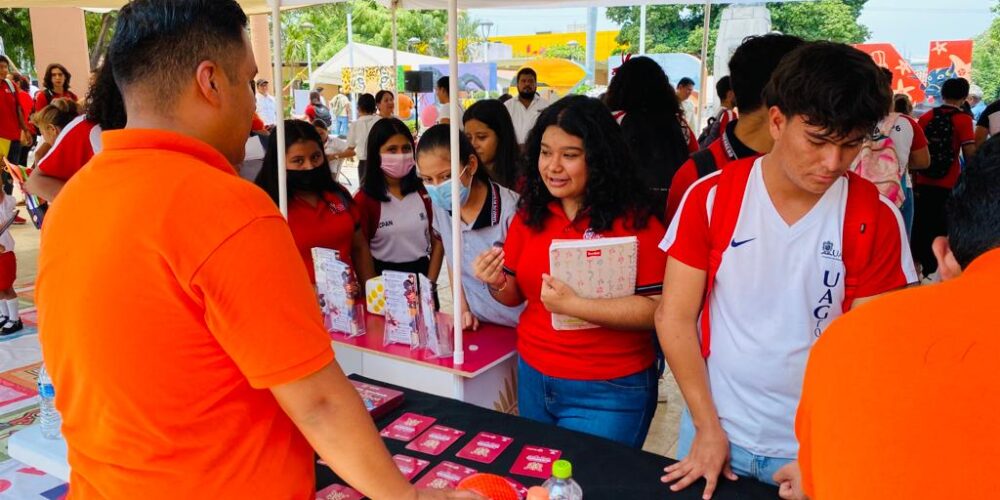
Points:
x=561, y=485
x=48, y=416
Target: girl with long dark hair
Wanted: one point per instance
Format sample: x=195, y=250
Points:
x=488, y=126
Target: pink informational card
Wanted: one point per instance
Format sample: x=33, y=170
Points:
x=338, y=492
x=409, y=466
x=445, y=475
x=535, y=461
x=407, y=427
x=437, y=439
x=485, y=447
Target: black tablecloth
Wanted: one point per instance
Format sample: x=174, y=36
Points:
x=604, y=469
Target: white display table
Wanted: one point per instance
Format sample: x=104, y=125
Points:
x=31, y=448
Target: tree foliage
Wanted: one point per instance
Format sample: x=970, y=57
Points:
x=675, y=28
x=16, y=34
x=986, y=59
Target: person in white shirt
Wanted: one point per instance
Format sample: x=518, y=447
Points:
x=798, y=221
x=685, y=87
x=357, y=136
x=524, y=110
x=441, y=92
x=266, y=107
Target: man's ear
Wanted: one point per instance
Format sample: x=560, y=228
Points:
x=776, y=122
x=207, y=79
x=948, y=267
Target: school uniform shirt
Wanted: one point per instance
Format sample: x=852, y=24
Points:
x=10, y=128
x=725, y=149
x=963, y=133
x=989, y=119
x=597, y=353
x=490, y=226
x=75, y=145
x=778, y=288
x=42, y=98
x=357, y=135
x=27, y=105
x=330, y=224
x=402, y=233
x=524, y=118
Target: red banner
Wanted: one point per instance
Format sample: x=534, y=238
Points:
x=904, y=80
x=947, y=59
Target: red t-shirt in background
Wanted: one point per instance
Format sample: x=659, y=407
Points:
x=78, y=142
x=9, y=127
x=42, y=100
x=597, y=353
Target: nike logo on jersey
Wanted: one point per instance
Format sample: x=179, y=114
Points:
x=741, y=243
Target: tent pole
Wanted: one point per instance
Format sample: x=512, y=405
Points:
x=642, y=29
x=704, y=67
x=456, y=207
x=279, y=105
x=591, y=45
x=395, y=64
x=350, y=62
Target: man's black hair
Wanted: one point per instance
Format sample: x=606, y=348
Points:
x=752, y=64
x=442, y=83
x=974, y=207
x=525, y=71
x=163, y=41
x=832, y=86
x=685, y=81
x=366, y=103
x=104, y=102
x=6, y=60
x=723, y=86
x=955, y=89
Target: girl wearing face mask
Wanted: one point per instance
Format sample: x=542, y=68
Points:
x=395, y=209
x=487, y=210
x=321, y=212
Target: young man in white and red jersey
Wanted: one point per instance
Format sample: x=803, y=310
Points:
x=764, y=254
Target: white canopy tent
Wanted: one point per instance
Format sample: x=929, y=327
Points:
x=249, y=6
x=366, y=55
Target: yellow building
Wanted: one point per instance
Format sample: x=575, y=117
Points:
x=535, y=45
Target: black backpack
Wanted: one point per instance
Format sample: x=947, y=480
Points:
x=940, y=141
x=323, y=114
x=712, y=131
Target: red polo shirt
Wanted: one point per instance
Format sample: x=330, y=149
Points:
x=330, y=224
x=595, y=354
x=42, y=100
x=74, y=147
x=9, y=127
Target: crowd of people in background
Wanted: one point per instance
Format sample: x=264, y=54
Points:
x=753, y=240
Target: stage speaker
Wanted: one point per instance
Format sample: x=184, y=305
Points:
x=419, y=81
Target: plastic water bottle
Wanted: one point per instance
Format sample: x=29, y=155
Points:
x=561, y=485
x=48, y=416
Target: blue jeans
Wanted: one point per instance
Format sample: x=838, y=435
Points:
x=743, y=462
x=340, y=126
x=619, y=409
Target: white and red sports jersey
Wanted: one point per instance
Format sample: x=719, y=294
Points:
x=777, y=288
x=76, y=144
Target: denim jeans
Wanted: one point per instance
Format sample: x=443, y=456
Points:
x=619, y=409
x=743, y=462
x=340, y=126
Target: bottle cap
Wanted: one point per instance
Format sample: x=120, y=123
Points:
x=562, y=469
x=537, y=493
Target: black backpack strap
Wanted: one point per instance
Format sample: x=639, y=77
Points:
x=704, y=162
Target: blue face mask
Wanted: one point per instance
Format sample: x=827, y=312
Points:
x=441, y=194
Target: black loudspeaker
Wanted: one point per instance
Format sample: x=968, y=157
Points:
x=419, y=81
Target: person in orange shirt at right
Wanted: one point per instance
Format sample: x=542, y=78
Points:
x=209, y=373
x=898, y=404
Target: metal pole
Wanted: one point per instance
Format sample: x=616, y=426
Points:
x=704, y=66
x=642, y=29
x=350, y=61
x=395, y=64
x=456, y=207
x=309, y=62
x=591, y=44
x=279, y=105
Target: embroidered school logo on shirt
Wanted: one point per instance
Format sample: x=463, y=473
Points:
x=828, y=251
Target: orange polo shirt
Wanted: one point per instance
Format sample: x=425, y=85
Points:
x=171, y=297
x=902, y=402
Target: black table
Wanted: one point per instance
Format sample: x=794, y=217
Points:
x=604, y=469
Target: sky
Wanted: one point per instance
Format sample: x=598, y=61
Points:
x=910, y=28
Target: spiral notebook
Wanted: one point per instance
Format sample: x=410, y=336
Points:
x=603, y=268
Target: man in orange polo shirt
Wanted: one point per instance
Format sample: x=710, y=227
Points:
x=179, y=375
x=898, y=404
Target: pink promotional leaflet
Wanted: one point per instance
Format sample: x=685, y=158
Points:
x=535, y=461
x=378, y=400
x=437, y=439
x=409, y=466
x=402, y=308
x=485, y=447
x=407, y=427
x=337, y=289
x=338, y=492
x=445, y=475
x=602, y=268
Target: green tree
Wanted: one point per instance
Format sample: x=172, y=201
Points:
x=564, y=51
x=100, y=29
x=986, y=59
x=833, y=20
x=16, y=34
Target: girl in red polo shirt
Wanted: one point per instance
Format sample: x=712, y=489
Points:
x=56, y=86
x=321, y=212
x=583, y=186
